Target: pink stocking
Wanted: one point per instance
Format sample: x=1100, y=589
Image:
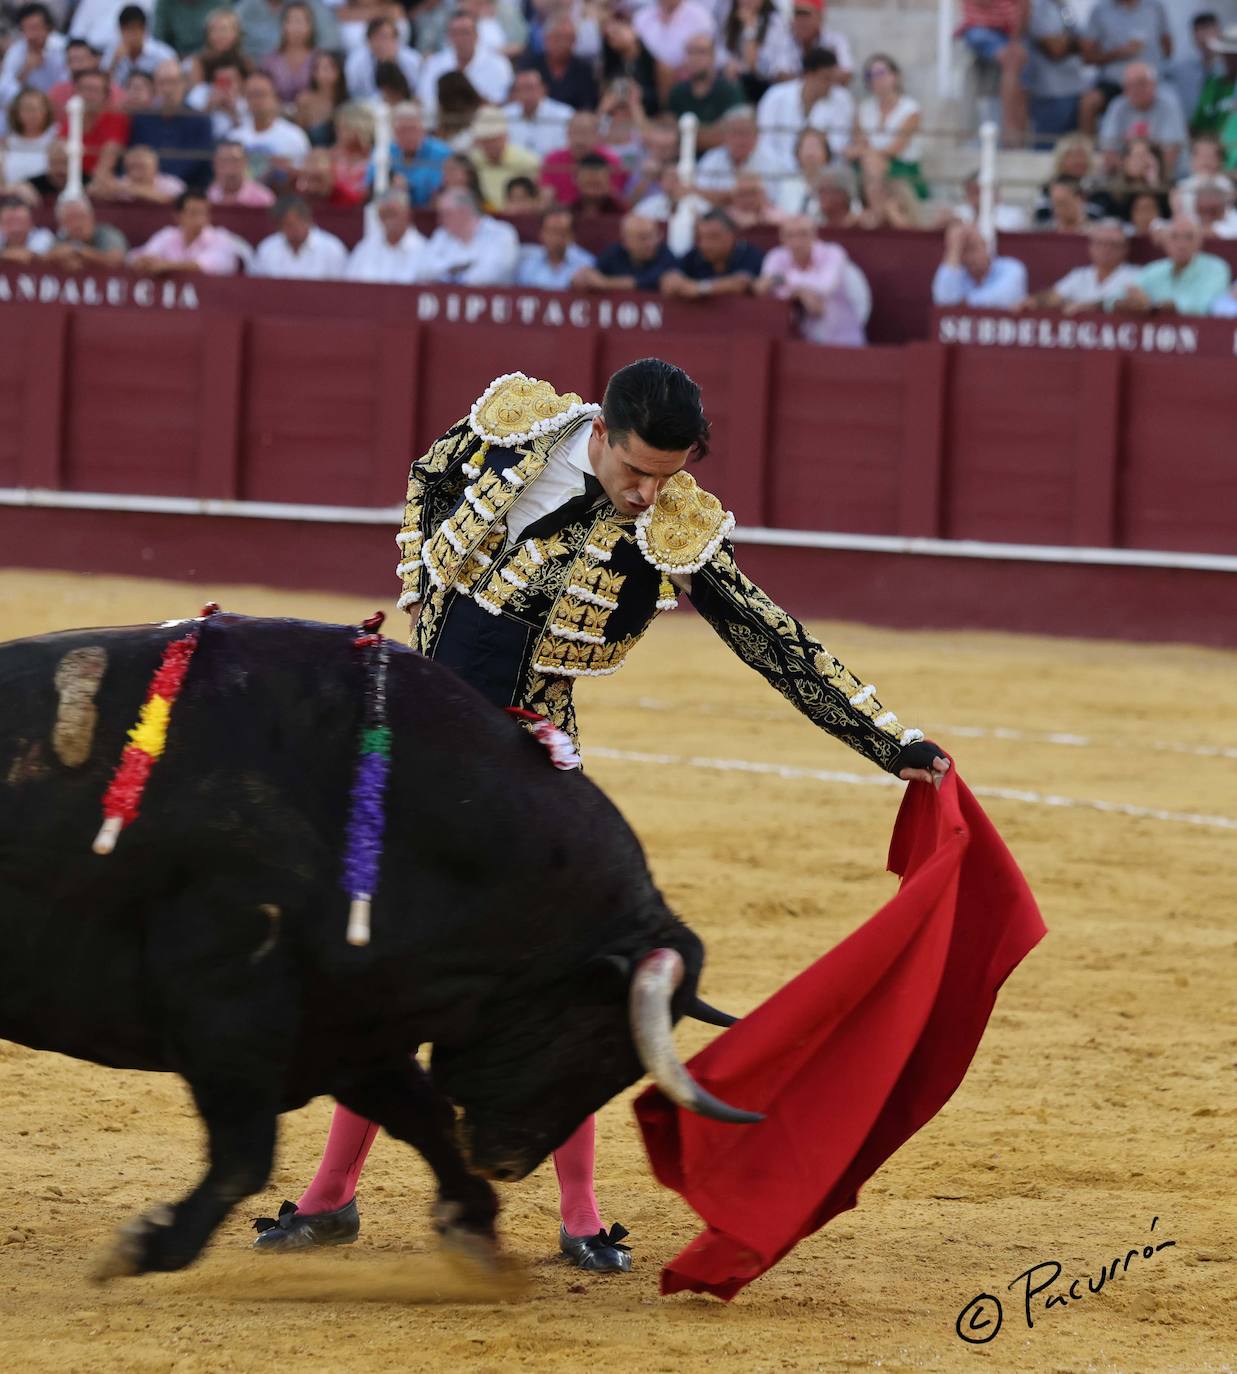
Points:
x=573, y=1162
x=347, y=1144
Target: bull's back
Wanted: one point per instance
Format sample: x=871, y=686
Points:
x=483, y=839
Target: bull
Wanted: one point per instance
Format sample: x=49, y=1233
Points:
x=516, y=927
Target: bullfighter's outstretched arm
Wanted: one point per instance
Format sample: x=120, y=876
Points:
x=777, y=646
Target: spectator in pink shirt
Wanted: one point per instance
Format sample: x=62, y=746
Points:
x=193, y=244
x=232, y=184
x=814, y=275
x=666, y=26
x=558, y=170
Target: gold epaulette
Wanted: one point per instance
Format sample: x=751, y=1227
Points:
x=515, y=409
x=684, y=528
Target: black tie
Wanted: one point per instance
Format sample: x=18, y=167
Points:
x=575, y=509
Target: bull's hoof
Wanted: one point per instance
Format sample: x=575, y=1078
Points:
x=603, y=1253
x=478, y=1248
x=294, y=1230
x=133, y=1250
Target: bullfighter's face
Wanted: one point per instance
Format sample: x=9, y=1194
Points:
x=631, y=471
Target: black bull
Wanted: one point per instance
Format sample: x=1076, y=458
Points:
x=513, y=903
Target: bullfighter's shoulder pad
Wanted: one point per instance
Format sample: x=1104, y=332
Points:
x=684, y=528
x=515, y=409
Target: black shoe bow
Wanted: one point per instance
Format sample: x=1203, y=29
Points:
x=286, y=1209
x=614, y=1236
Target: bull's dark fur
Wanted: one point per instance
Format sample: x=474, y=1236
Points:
x=505, y=884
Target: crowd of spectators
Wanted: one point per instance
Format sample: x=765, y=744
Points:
x=568, y=110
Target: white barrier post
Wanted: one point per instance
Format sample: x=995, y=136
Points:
x=73, y=146
x=987, y=182
x=382, y=168
x=681, y=231
x=944, y=49
x=382, y=147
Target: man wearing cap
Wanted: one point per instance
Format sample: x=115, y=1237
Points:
x=496, y=158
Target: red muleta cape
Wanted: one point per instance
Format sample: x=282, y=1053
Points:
x=854, y=1055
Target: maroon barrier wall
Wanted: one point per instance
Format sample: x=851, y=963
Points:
x=271, y=391
x=898, y=263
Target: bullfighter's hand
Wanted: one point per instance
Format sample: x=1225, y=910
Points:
x=936, y=776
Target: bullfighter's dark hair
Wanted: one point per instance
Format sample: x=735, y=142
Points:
x=660, y=404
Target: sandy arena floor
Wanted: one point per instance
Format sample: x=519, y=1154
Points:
x=1101, y=1097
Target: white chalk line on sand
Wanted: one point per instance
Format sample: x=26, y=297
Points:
x=1056, y=737
x=1015, y=794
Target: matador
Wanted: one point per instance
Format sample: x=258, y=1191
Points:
x=541, y=538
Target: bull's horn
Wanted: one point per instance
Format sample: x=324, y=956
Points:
x=656, y=977
x=699, y=1010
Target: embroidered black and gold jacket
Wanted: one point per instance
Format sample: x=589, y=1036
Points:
x=521, y=620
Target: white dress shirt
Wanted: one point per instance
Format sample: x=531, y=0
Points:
x=489, y=259
x=322, y=257
x=780, y=118
x=283, y=139
x=489, y=72
x=359, y=71
x=96, y=22
x=1082, y=286
x=542, y=132
x=153, y=52
x=52, y=69
x=561, y=480
x=376, y=259
x=716, y=170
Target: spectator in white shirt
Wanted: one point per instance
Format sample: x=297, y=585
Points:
x=300, y=250
x=1006, y=219
x=31, y=132
x=469, y=248
x=1210, y=202
x=534, y=121
x=813, y=101
x=738, y=152
x=20, y=241
x=784, y=46
x=381, y=45
x=272, y=143
x=36, y=59
x=95, y=22
x=489, y=72
x=1100, y=284
x=886, y=138
x=129, y=46
x=392, y=252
